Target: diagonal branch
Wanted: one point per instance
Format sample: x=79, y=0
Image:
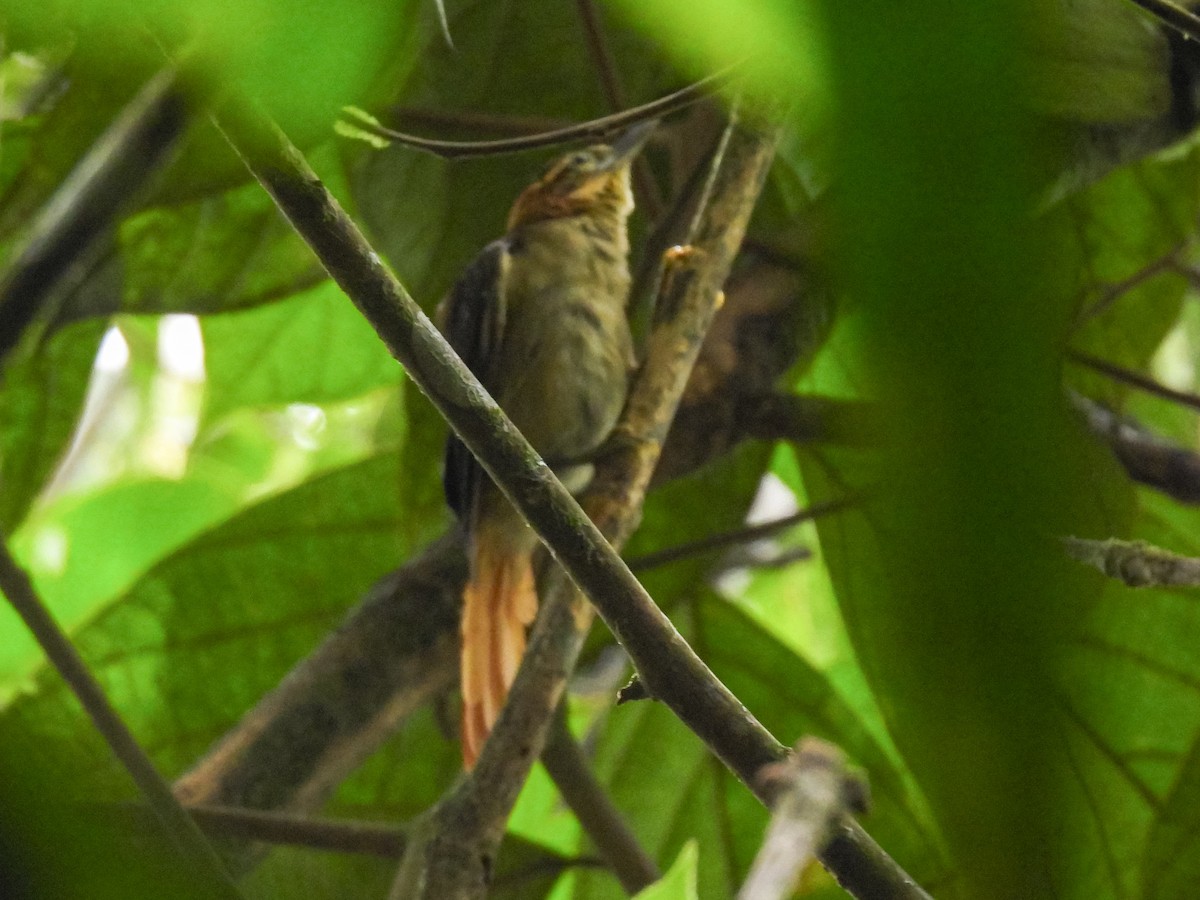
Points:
x=175, y=821
x=1182, y=20
x=567, y=765
x=67, y=233
x=397, y=650
x=1134, y=379
x=666, y=661
x=464, y=831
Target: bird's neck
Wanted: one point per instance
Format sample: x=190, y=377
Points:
x=598, y=234
x=557, y=258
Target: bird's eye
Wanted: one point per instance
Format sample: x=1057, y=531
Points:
x=579, y=160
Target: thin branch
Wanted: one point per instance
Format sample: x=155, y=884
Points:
x=1182, y=20
x=735, y=537
x=68, y=232
x=1167, y=263
x=70, y=665
x=1148, y=459
x=601, y=820
x=334, y=835
x=1134, y=379
x=474, y=121
x=593, y=30
x=672, y=672
x=1136, y=563
x=594, y=129
x=816, y=791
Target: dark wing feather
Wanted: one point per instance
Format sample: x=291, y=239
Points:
x=474, y=326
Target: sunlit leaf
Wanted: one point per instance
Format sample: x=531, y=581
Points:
x=679, y=883
x=41, y=399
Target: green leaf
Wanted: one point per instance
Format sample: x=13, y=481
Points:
x=680, y=881
x=41, y=398
x=198, y=639
x=223, y=251
x=1114, y=238
x=1130, y=691
x=1100, y=63
x=312, y=348
x=84, y=552
x=1171, y=868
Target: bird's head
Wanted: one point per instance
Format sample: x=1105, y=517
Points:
x=591, y=181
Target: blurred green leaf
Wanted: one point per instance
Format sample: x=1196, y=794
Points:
x=87, y=551
x=303, y=61
x=41, y=399
x=198, y=639
x=312, y=348
x=1101, y=62
x=680, y=881
x=774, y=43
x=222, y=252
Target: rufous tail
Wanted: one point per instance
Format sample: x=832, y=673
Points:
x=499, y=602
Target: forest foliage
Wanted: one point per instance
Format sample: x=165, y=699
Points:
x=951, y=245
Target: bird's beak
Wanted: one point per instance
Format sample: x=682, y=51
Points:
x=629, y=142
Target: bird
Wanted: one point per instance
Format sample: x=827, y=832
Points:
x=539, y=316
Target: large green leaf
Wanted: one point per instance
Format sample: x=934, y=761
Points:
x=1130, y=691
x=197, y=640
x=679, y=883
x=312, y=348
x=224, y=251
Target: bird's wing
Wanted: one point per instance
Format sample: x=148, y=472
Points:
x=473, y=318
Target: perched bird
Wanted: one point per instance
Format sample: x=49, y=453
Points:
x=539, y=317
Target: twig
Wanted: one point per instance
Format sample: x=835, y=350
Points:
x=734, y=537
x=474, y=121
x=816, y=791
x=593, y=31
x=568, y=767
x=335, y=835
x=1148, y=459
x=1113, y=292
x=1136, y=563
x=68, y=231
x=70, y=665
x=720, y=719
x=590, y=130
x=1177, y=17
x=1134, y=379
